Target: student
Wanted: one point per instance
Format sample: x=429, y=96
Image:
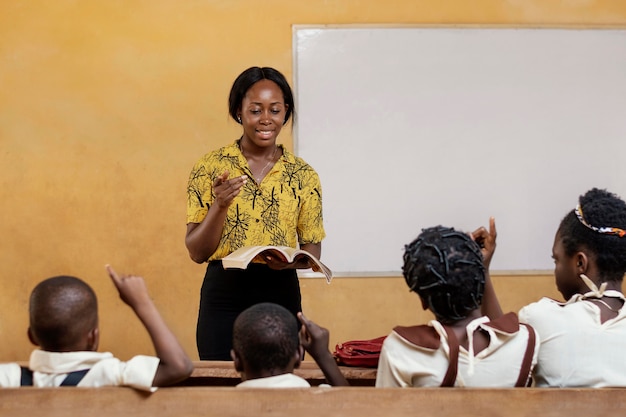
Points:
x=267, y=348
x=461, y=347
x=64, y=324
x=583, y=340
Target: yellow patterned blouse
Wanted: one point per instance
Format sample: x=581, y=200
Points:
x=285, y=209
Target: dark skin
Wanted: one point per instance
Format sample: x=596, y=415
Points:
x=262, y=113
x=567, y=272
x=174, y=364
x=490, y=306
x=314, y=339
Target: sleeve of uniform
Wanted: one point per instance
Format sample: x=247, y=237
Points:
x=385, y=374
x=10, y=375
x=137, y=373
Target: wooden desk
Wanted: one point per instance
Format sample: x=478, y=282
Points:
x=312, y=402
x=222, y=373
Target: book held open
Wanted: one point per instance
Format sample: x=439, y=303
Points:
x=243, y=256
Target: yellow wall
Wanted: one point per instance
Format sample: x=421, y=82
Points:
x=105, y=106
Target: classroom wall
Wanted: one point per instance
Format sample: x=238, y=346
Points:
x=106, y=105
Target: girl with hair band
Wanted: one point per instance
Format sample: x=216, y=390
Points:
x=252, y=192
x=466, y=345
x=583, y=340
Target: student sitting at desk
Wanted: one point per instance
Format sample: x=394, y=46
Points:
x=64, y=323
x=583, y=339
x=267, y=348
x=461, y=347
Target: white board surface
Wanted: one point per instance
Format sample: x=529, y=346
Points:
x=410, y=127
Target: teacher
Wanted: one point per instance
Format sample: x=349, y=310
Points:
x=252, y=192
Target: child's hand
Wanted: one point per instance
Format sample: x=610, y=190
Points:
x=313, y=338
x=132, y=289
x=486, y=240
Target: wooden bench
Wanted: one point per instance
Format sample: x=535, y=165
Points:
x=313, y=402
x=222, y=373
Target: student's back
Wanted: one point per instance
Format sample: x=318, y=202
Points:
x=267, y=347
x=64, y=324
x=583, y=340
x=461, y=347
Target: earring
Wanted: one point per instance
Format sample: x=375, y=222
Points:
x=239, y=119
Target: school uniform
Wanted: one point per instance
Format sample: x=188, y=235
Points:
x=51, y=368
x=577, y=349
x=287, y=380
x=418, y=356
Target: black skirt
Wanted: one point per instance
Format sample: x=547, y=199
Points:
x=226, y=293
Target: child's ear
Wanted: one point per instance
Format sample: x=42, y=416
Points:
x=236, y=360
x=582, y=262
x=299, y=356
x=93, y=339
x=31, y=337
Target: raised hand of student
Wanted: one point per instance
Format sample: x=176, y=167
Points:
x=486, y=239
x=175, y=365
x=132, y=289
x=314, y=339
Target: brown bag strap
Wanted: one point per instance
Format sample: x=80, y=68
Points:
x=524, y=374
x=453, y=346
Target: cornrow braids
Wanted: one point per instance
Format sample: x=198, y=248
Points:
x=445, y=268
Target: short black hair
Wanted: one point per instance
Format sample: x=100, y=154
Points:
x=62, y=309
x=445, y=268
x=266, y=337
x=248, y=78
x=600, y=208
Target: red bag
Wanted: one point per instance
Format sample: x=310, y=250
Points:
x=363, y=353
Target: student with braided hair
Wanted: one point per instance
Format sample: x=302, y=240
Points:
x=583, y=340
x=448, y=270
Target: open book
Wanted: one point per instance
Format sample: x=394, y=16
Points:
x=243, y=256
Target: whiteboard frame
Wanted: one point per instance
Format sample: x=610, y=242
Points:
x=296, y=140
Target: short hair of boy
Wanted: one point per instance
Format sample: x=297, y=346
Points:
x=62, y=310
x=445, y=268
x=266, y=337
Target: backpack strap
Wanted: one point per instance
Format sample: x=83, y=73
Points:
x=524, y=374
x=71, y=380
x=27, y=377
x=453, y=360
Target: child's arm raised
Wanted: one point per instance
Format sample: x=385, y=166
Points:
x=487, y=240
x=174, y=364
x=314, y=339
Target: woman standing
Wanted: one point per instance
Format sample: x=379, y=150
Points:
x=252, y=192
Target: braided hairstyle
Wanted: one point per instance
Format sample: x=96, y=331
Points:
x=445, y=268
x=600, y=208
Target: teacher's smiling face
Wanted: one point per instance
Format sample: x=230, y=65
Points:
x=262, y=113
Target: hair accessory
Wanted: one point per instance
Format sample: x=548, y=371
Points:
x=604, y=230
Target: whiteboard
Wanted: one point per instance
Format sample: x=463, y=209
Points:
x=411, y=127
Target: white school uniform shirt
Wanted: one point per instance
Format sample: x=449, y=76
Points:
x=577, y=349
x=51, y=368
x=406, y=364
x=287, y=380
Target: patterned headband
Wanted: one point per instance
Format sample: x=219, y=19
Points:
x=604, y=230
